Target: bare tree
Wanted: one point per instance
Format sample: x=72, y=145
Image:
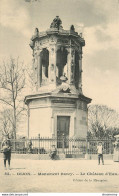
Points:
x=6, y=122
x=102, y=120
x=30, y=78
x=12, y=82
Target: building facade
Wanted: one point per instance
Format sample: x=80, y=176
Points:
x=58, y=106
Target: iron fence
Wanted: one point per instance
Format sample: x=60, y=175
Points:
x=107, y=143
x=42, y=145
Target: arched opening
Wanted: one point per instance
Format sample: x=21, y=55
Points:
x=61, y=66
x=76, y=75
x=44, y=65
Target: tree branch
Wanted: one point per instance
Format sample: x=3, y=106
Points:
x=6, y=102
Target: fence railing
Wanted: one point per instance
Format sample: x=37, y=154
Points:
x=107, y=143
x=40, y=145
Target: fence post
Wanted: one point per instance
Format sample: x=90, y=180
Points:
x=38, y=143
x=63, y=142
x=87, y=145
x=87, y=148
x=14, y=145
x=110, y=146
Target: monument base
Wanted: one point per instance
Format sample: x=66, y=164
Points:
x=53, y=114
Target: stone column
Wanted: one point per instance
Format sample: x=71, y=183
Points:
x=28, y=116
x=72, y=125
x=71, y=65
x=34, y=65
x=80, y=72
x=52, y=127
x=52, y=64
x=39, y=69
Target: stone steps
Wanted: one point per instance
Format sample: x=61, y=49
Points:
x=75, y=156
x=60, y=156
x=47, y=157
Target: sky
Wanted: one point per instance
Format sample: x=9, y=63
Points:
x=98, y=20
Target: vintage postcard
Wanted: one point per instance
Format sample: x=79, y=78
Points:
x=59, y=92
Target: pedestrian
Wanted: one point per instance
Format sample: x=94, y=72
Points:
x=53, y=152
x=116, y=149
x=30, y=146
x=100, y=153
x=6, y=149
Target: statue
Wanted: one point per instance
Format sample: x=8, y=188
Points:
x=72, y=28
x=36, y=31
x=56, y=23
x=63, y=78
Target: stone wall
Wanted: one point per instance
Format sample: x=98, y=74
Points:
x=40, y=122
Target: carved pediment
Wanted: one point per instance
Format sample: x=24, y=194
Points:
x=65, y=88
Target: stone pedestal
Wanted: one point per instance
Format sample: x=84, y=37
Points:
x=46, y=110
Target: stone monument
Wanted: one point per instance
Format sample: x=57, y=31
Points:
x=58, y=106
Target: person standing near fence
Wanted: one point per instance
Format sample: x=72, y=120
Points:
x=6, y=149
x=100, y=153
x=30, y=146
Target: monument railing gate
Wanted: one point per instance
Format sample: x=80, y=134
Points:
x=67, y=146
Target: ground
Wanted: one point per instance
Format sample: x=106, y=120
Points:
x=70, y=175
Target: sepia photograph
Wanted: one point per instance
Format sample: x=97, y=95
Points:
x=59, y=97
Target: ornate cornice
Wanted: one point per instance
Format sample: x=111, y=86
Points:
x=56, y=95
x=86, y=99
x=56, y=32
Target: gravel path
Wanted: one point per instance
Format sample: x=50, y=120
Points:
x=59, y=176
